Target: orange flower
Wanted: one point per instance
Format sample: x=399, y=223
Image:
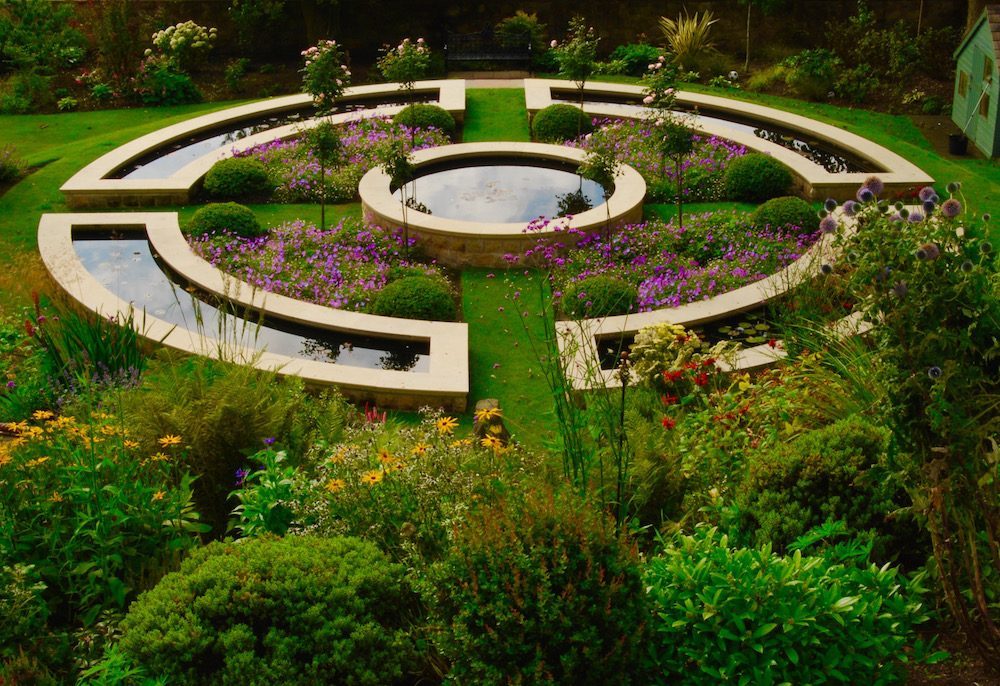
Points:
x=337, y=457
x=445, y=425
x=159, y=495
x=486, y=414
x=42, y=415
x=36, y=462
x=373, y=477
x=420, y=449
x=169, y=441
x=159, y=457
x=335, y=485
x=386, y=458
x=493, y=443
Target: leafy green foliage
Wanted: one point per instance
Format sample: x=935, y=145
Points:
x=812, y=73
x=787, y=211
x=225, y=217
x=598, y=296
x=519, y=28
x=22, y=606
x=635, y=57
x=325, y=75
x=237, y=178
x=25, y=92
x=38, y=34
x=687, y=38
x=756, y=177
x=559, y=123
x=297, y=611
x=266, y=491
x=160, y=83
x=11, y=166
x=424, y=116
x=835, y=472
x=406, y=63
x=577, y=54
x=752, y=617
x=416, y=297
x=539, y=590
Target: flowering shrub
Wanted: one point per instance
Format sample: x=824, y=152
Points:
x=295, y=170
x=341, y=267
x=670, y=266
x=184, y=45
x=325, y=76
x=158, y=82
x=94, y=511
x=406, y=63
x=577, y=54
x=405, y=488
x=635, y=142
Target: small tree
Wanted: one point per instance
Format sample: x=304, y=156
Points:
x=602, y=166
x=325, y=143
x=768, y=7
x=577, y=55
x=676, y=141
x=325, y=75
x=407, y=63
x=394, y=159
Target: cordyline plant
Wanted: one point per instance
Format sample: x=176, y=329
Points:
x=928, y=279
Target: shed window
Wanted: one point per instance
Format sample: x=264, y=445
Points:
x=963, y=84
x=984, y=104
x=987, y=69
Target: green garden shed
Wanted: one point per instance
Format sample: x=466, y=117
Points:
x=975, y=106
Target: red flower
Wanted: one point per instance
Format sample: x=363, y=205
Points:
x=710, y=362
x=773, y=342
x=669, y=399
x=701, y=379
x=668, y=422
x=690, y=365
x=669, y=376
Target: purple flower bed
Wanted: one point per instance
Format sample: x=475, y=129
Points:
x=632, y=141
x=714, y=253
x=342, y=267
x=295, y=170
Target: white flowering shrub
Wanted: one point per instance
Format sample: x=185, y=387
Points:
x=184, y=45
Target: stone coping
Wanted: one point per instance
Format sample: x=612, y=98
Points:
x=578, y=339
x=460, y=240
x=896, y=172
x=91, y=187
x=445, y=384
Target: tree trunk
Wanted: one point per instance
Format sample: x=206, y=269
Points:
x=746, y=64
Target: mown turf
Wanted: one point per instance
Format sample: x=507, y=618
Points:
x=495, y=114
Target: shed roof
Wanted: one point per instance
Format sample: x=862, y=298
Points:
x=991, y=15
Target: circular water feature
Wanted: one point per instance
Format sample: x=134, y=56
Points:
x=485, y=190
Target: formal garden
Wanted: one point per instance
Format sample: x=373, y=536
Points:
x=258, y=428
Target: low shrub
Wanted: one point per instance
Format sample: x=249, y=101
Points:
x=423, y=116
x=635, y=57
x=11, y=166
x=598, y=296
x=828, y=473
x=559, y=123
x=296, y=610
x=756, y=177
x=812, y=73
x=787, y=211
x=539, y=590
x=160, y=83
x=225, y=217
x=238, y=178
x=767, y=78
x=25, y=92
x=745, y=615
x=416, y=297
x=22, y=606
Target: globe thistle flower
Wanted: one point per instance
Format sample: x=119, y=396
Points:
x=926, y=193
x=826, y=268
x=830, y=205
x=928, y=251
x=985, y=247
x=951, y=208
x=986, y=217
x=954, y=186
x=899, y=289
x=929, y=206
x=899, y=205
x=904, y=213
x=874, y=184
x=829, y=225
x=896, y=217
x=865, y=194
x=935, y=372
x=915, y=217
x=850, y=208
x=967, y=266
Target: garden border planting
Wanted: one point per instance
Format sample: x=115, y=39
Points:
x=817, y=183
x=468, y=243
x=90, y=186
x=446, y=384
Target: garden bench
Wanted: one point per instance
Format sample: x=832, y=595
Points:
x=484, y=46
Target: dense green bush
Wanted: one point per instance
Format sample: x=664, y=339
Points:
x=756, y=177
x=598, y=296
x=225, y=217
x=416, y=297
x=511, y=31
x=787, y=211
x=160, y=83
x=748, y=616
x=812, y=73
x=11, y=166
x=559, y=123
x=423, y=116
x=237, y=178
x=635, y=57
x=828, y=473
x=539, y=591
x=22, y=608
x=25, y=92
x=296, y=610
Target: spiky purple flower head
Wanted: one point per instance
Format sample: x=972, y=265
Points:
x=850, y=208
x=951, y=208
x=865, y=194
x=929, y=206
x=915, y=217
x=830, y=205
x=926, y=193
x=829, y=225
x=874, y=184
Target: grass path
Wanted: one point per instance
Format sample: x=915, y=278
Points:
x=502, y=363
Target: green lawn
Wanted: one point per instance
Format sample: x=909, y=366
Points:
x=495, y=114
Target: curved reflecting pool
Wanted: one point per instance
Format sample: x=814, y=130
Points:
x=500, y=192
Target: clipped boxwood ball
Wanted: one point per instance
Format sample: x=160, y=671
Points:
x=756, y=177
x=295, y=611
x=223, y=217
x=560, y=123
x=416, y=297
x=423, y=116
x=599, y=296
x=236, y=178
x=787, y=210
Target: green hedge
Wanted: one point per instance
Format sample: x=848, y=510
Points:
x=416, y=297
x=237, y=178
x=787, y=211
x=230, y=217
x=598, y=296
x=422, y=116
x=560, y=123
x=756, y=177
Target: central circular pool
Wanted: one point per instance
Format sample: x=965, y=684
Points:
x=485, y=190
x=480, y=197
